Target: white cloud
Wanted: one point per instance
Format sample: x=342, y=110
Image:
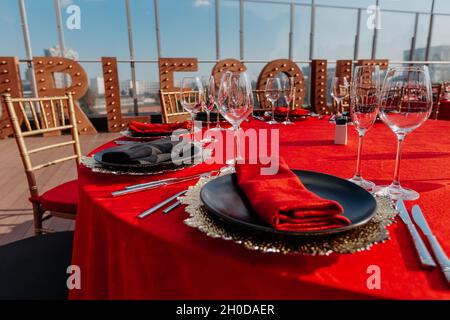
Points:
x=202, y=3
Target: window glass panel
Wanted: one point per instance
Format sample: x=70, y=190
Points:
x=187, y=29
x=266, y=31
x=103, y=29
x=10, y=30
x=302, y=29
x=395, y=35
x=338, y=43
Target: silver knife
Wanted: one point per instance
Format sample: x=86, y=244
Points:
x=426, y=260
x=440, y=255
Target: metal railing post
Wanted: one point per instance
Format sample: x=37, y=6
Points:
x=358, y=32
x=241, y=29
x=291, y=30
x=430, y=32
x=217, y=17
x=158, y=39
x=132, y=63
x=29, y=52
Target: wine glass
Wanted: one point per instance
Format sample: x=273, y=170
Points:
x=405, y=104
x=340, y=89
x=192, y=98
x=273, y=92
x=288, y=93
x=235, y=104
x=364, y=92
x=222, y=97
x=209, y=87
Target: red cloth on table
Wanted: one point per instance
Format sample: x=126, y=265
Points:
x=296, y=112
x=140, y=127
x=160, y=257
x=283, y=201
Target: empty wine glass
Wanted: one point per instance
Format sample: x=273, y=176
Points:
x=340, y=89
x=405, y=104
x=210, y=97
x=236, y=104
x=363, y=110
x=192, y=98
x=273, y=92
x=209, y=86
x=288, y=93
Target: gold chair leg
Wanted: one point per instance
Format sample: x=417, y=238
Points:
x=37, y=217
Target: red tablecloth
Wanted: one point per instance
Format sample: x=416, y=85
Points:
x=160, y=257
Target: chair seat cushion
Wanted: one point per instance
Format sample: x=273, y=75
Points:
x=63, y=198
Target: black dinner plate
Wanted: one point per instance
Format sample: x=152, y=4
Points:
x=223, y=198
x=98, y=158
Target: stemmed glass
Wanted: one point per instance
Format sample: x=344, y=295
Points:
x=405, y=104
x=340, y=89
x=192, y=99
x=209, y=87
x=273, y=92
x=364, y=109
x=235, y=104
x=288, y=93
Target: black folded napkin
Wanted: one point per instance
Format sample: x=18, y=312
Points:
x=152, y=152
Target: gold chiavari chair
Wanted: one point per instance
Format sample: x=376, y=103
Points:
x=41, y=116
x=172, y=110
x=437, y=90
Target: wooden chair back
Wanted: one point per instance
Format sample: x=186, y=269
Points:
x=172, y=110
x=437, y=90
x=38, y=113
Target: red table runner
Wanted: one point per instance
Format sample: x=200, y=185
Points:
x=160, y=257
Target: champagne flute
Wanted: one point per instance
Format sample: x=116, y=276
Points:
x=363, y=110
x=236, y=104
x=272, y=92
x=288, y=93
x=405, y=104
x=340, y=88
x=192, y=99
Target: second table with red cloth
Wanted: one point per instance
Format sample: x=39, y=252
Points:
x=160, y=257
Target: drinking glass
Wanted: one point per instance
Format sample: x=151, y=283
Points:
x=273, y=92
x=405, y=104
x=236, y=104
x=192, y=98
x=364, y=92
x=340, y=89
x=209, y=87
x=288, y=93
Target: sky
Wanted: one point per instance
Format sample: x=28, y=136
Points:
x=187, y=29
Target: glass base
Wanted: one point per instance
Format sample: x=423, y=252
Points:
x=360, y=181
x=208, y=140
x=273, y=122
x=395, y=192
x=287, y=122
x=217, y=129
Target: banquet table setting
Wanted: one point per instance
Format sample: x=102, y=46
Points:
x=162, y=218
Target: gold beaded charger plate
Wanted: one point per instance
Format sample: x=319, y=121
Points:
x=360, y=238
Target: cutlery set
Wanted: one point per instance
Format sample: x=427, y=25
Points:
x=426, y=260
x=159, y=183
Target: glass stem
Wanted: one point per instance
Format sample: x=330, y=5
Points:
x=287, y=112
x=218, y=119
x=400, y=139
x=207, y=120
x=273, y=111
x=358, y=161
x=236, y=143
x=192, y=128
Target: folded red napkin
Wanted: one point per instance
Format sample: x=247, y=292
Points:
x=295, y=112
x=140, y=127
x=284, y=202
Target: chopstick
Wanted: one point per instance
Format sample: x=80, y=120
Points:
x=160, y=205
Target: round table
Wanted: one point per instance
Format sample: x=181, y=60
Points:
x=160, y=257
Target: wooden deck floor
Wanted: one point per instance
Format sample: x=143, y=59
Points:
x=16, y=219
